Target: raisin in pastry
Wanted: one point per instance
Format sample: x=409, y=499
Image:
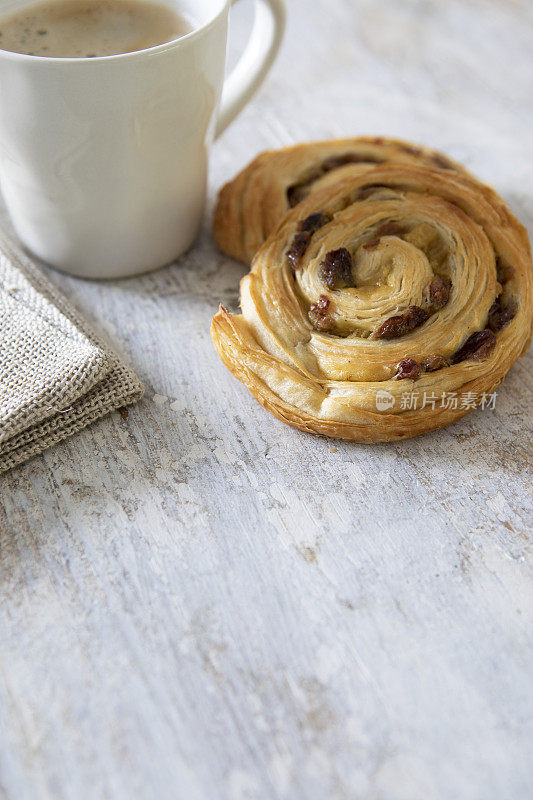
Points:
x=251, y=205
x=372, y=317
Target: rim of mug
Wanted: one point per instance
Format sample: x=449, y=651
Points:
x=160, y=48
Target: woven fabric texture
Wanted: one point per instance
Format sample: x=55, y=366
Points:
x=56, y=377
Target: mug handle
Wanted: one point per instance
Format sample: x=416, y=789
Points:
x=255, y=62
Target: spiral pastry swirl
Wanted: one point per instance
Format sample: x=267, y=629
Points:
x=398, y=279
x=252, y=204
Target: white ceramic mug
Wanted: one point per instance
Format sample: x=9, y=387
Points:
x=103, y=161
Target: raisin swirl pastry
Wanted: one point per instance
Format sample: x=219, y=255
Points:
x=398, y=280
x=252, y=205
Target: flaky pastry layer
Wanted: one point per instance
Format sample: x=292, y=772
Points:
x=252, y=204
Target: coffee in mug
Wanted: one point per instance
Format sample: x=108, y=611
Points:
x=90, y=28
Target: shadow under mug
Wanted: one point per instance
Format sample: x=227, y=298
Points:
x=103, y=161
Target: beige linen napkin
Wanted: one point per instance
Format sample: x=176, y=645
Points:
x=56, y=377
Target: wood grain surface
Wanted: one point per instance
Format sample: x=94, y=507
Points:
x=200, y=603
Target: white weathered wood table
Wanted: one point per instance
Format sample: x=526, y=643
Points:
x=200, y=603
